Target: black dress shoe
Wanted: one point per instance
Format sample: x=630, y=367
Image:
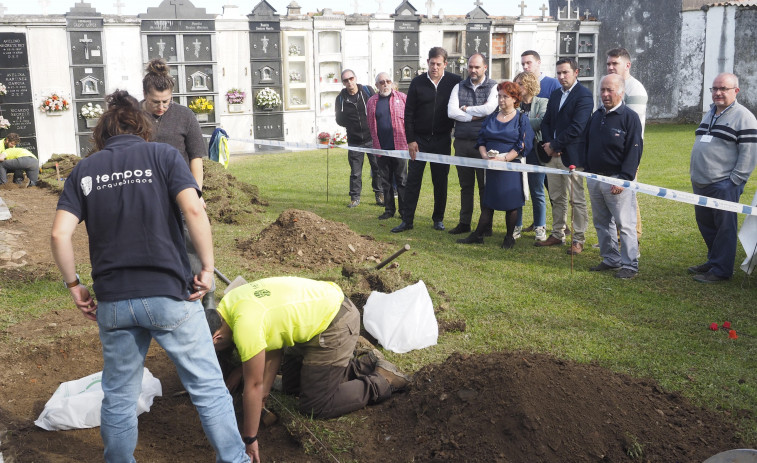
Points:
x=473, y=238
x=402, y=227
x=385, y=215
x=439, y=225
x=460, y=228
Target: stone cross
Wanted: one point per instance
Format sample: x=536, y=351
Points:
x=43, y=5
x=86, y=41
x=119, y=5
x=544, y=10
x=161, y=48
x=478, y=42
x=522, y=8
x=478, y=3
x=567, y=39
x=356, y=6
x=197, y=45
x=406, y=41
x=586, y=14
x=176, y=4
x=380, y=6
x=3, y=9
x=265, y=39
x=429, y=7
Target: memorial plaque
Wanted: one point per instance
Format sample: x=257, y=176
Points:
x=85, y=144
x=477, y=42
x=89, y=82
x=269, y=126
x=197, y=48
x=567, y=44
x=172, y=25
x=84, y=23
x=28, y=143
x=405, y=43
x=162, y=46
x=199, y=78
x=17, y=85
x=83, y=124
x=266, y=73
x=13, y=51
x=86, y=48
x=267, y=26
x=406, y=25
x=21, y=117
x=265, y=45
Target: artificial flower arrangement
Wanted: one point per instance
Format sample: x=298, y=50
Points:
x=54, y=103
x=267, y=98
x=3, y=90
x=294, y=76
x=339, y=139
x=235, y=96
x=294, y=50
x=90, y=111
x=324, y=138
x=4, y=123
x=201, y=105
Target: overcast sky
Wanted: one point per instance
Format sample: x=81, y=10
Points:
x=133, y=7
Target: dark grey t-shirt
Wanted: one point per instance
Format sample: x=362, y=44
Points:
x=179, y=128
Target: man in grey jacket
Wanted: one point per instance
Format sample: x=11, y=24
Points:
x=722, y=159
x=469, y=103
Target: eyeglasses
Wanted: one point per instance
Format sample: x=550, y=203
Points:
x=348, y=79
x=382, y=82
x=720, y=89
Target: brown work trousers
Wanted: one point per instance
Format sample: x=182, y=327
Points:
x=325, y=373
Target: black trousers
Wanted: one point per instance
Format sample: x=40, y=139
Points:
x=439, y=144
x=465, y=148
x=393, y=171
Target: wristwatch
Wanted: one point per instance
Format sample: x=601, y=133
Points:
x=73, y=284
x=249, y=440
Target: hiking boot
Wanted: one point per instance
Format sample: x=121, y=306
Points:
x=392, y=375
x=354, y=203
x=379, y=199
x=551, y=241
x=575, y=248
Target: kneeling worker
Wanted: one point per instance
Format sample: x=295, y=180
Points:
x=315, y=329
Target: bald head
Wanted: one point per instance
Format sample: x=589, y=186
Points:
x=611, y=89
x=724, y=89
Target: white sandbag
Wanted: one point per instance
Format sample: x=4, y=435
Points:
x=76, y=404
x=403, y=320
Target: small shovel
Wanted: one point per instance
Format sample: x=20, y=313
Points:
x=238, y=281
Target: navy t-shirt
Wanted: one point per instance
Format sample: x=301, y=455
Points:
x=126, y=195
x=384, y=123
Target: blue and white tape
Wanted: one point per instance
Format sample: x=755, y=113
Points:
x=660, y=192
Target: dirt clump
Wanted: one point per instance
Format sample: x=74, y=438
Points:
x=48, y=176
x=228, y=199
x=302, y=239
x=516, y=407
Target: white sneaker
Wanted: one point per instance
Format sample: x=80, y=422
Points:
x=516, y=232
x=541, y=233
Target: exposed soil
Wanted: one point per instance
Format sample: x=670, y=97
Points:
x=499, y=407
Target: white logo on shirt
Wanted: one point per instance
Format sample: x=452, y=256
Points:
x=86, y=185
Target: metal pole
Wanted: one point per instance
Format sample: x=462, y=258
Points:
x=572, y=225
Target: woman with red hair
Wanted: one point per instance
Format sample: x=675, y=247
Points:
x=505, y=135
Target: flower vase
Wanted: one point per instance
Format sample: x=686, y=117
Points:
x=202, y=117
x=92, y=122
x=236, y=107
x=54, y=113
x=267, y=108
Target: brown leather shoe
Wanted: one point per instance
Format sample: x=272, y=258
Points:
x=551, y=241
x=576, y=248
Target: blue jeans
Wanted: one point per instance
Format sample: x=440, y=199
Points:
x=612, y=214
x=719, y=228
x=126, y=329
x=538, y=200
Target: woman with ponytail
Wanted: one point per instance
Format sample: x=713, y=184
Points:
x=176, y=125
x=131, y=194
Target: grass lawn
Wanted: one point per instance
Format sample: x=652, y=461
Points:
x=527, y=298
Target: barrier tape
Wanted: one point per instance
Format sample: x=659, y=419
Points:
x=660, y=192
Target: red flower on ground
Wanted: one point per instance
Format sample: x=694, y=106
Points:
x=732, y=334
x=727, y=325
x=714, y=326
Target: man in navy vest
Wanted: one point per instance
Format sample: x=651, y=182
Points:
x=469, y=103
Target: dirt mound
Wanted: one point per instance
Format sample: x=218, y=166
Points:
x=228, y=199
x=48, y=176
x=302, y=239
x=517, y=407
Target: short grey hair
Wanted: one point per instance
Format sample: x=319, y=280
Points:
x=382, y=73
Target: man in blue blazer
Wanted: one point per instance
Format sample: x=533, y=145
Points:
x=568, y=112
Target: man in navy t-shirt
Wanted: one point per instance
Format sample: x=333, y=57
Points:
x=531, y=62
